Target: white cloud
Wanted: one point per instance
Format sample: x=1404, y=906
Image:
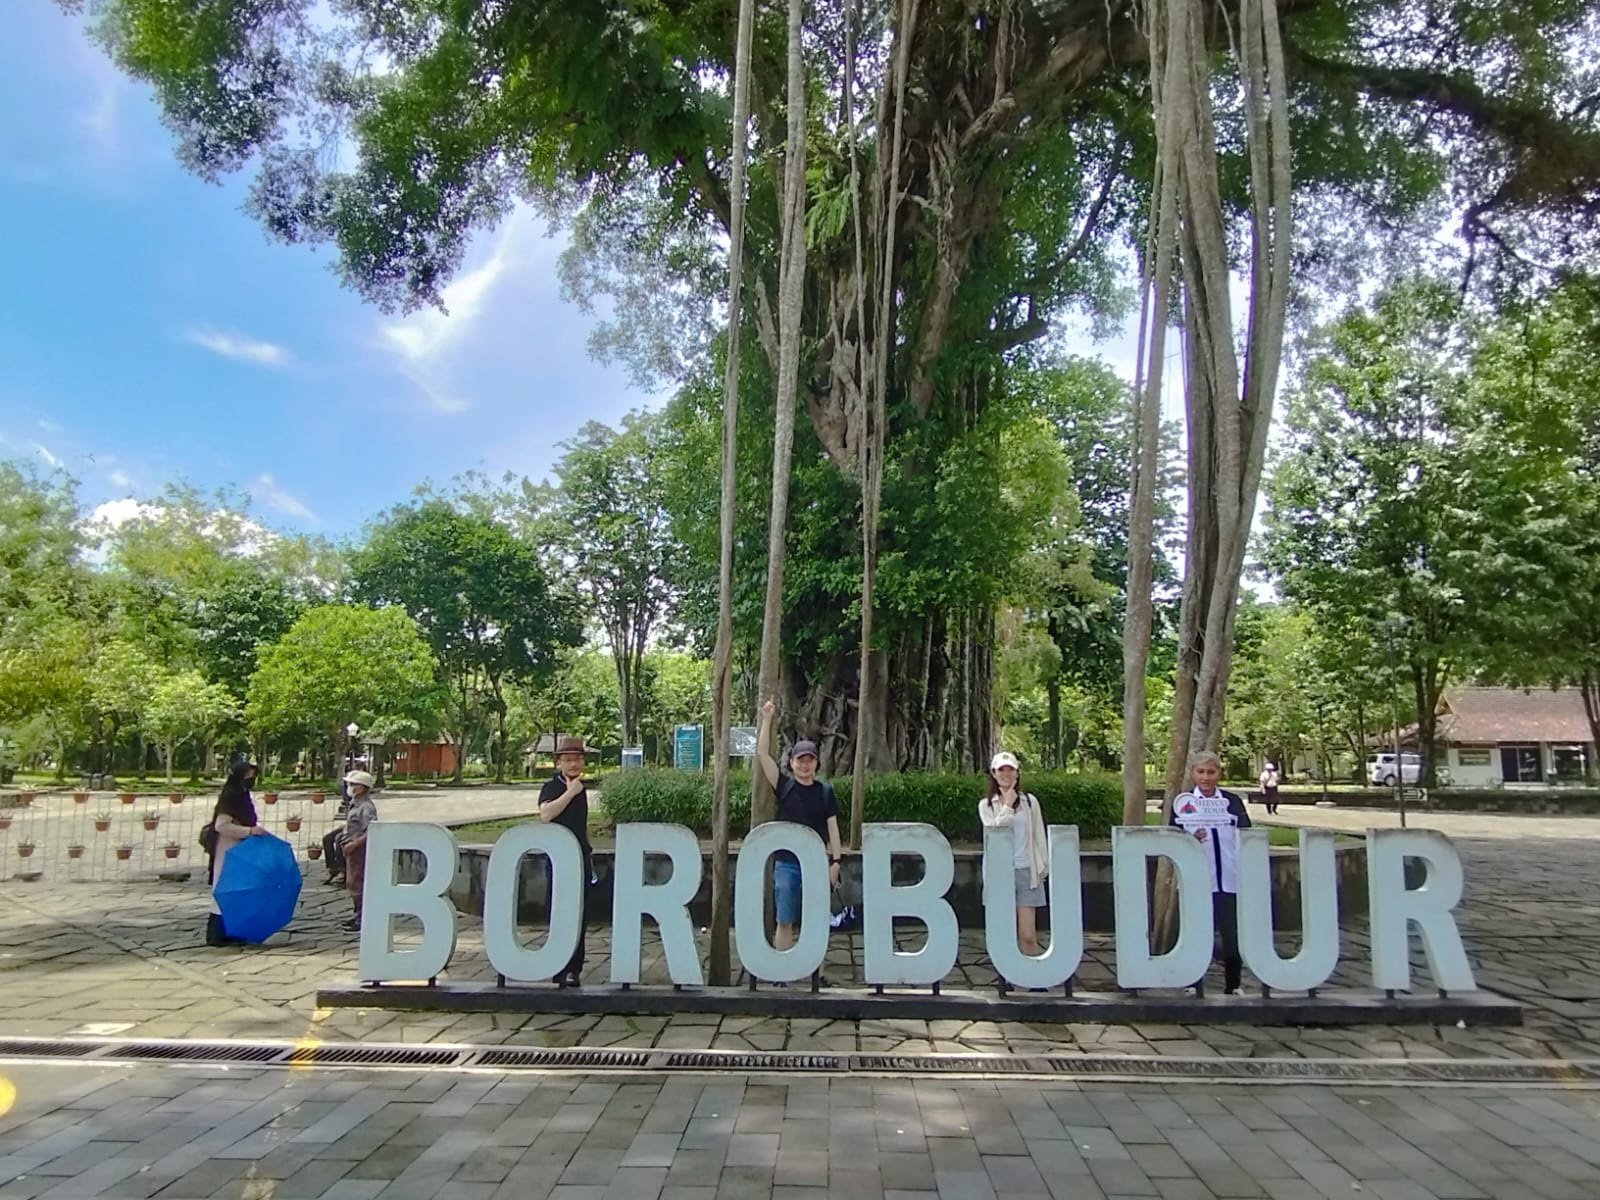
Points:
x=119, y=478
x=104, y=518
x=268, y=491
x=45, y=454
x=434, y=350
x=429, y=333
x=100, y=121
x=238, y=347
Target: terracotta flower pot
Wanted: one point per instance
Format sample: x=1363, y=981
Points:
x=172, y=850
x=5, y=822
x=25, y=798
x=124, y=853
x=24, y=849
x=126, y=797
x=151, y=822
x=313, y=852
x=175, y=797
x=80, y=797
x=101, y=826
x=270, y=798
x=318, y=797
x=74, y=851
x=293, y=824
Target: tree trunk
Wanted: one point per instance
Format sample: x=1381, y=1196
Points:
x=791, y=289
x=722, y=666
x=1228, y=411
x=1589, y=688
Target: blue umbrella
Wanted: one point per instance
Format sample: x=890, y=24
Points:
x=258, y=888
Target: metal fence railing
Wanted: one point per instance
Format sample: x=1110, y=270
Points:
x=97, y=837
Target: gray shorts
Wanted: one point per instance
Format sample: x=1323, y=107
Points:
x=1029, y=897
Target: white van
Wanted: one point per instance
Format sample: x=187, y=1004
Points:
x=1380, y=768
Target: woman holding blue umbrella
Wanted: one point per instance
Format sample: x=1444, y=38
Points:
x=233, y=821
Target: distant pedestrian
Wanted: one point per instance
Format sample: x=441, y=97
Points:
x=1215, y=818
x=233, y=820
x=357, y=823
x=1269, y=787
x=1010, y=808
x=565, y=801
x=805, y=800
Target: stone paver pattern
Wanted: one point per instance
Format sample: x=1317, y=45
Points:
x=81, y=1131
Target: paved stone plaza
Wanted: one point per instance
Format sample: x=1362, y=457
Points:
x=128, y=961
x=403, y=1135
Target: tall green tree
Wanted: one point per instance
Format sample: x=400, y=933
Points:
x=337, y=664
x=610, y=523
x=481, y=598
x=1414, y=506
x=1536, y=418
x=184, y=706
x=1000, y=161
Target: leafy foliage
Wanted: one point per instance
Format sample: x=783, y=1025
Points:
x=339, y=664
x=948, y=802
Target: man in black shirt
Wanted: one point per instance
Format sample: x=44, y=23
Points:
x=565, y=801
x=805, y=800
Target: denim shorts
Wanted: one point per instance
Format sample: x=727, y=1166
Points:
x=786, y=891
x=1029, y=896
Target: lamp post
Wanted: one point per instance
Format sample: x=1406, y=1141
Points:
x=350, y=732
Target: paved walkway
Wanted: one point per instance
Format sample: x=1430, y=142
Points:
x=78, y=1131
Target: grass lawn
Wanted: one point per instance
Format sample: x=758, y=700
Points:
x=490, y=831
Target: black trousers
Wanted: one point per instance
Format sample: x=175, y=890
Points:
x=1225, y=919
x=575, y=963
x=333, y=852
x=1271, y=797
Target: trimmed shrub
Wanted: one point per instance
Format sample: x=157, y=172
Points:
x=948, y=802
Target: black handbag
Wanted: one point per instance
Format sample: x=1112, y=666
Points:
x=208, y=837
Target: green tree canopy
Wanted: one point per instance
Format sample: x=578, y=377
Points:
x=481, y=599
x=338, y=664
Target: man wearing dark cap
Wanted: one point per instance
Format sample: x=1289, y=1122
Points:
x=565, y=801
x=805, y=800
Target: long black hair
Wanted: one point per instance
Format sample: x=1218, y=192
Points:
x=994, y=786
x=235, y=800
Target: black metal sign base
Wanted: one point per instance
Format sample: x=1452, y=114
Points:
x=1328, y=1006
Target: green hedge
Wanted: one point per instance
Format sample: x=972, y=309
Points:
x=948, y=802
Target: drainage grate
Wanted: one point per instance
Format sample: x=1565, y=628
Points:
x=45, y=1048
x=921, y=1064
x=1090, y=1064
x=1502, y=1071
x=398, y=1056
x=710, y=1060
x=198, y=1051
x=1328, y=1069
x=630, y=1059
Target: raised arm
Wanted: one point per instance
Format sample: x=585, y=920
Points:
x=769, y=765
x=995, y=816
x=549, y=810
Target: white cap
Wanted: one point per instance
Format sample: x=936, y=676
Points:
x=1004, y=759
x=360, y=777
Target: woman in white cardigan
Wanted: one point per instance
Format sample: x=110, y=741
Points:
x=1007, y=806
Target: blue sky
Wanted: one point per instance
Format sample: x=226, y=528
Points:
x=149, y=330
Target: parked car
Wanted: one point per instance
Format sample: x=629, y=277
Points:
x=1381, y=768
